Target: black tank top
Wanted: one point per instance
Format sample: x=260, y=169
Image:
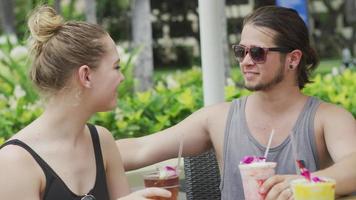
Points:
x=56, y=189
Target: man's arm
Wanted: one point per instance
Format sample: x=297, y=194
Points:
x=20, y=176
x=339, y=128
x=339, y=132
x=150, y=149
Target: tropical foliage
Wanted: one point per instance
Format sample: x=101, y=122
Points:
x=339, y=89
x=173, y=97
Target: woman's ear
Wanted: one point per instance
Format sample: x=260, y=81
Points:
x=294, y=58
x=84, y=76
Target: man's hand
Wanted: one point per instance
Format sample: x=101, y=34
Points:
x=278, y=187
x=147, y=193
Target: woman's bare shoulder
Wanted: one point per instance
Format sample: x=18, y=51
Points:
x=20, y=175
x=15, y=160
x=104, y=134
x=17, y=156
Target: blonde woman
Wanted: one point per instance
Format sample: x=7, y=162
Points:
x=59, y=156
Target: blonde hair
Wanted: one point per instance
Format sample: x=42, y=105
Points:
x=59, y=47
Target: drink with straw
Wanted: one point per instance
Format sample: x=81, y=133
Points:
x=254, y=171
x=253, y=175
x=165, y=178
x=310, y=190
x=312, y=187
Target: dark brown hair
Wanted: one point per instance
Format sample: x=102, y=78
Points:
x=58, y=48
x=291, y=32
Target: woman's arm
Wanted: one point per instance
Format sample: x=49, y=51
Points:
x=115, y=175
x=146, y=193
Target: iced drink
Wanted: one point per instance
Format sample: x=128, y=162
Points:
x=167, y=181
x=309, y=190
x=253, y=175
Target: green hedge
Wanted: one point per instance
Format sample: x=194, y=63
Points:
x=339, y=89
x=164, y=106
x=169, y=102
x=172, y=99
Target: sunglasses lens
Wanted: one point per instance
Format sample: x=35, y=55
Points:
x=239, y=52
x=257, y=54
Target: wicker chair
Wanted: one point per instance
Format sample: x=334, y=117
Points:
x=202, y=178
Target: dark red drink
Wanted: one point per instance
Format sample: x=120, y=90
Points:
x=170, y=183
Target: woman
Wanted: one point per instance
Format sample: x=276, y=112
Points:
x=60, y=156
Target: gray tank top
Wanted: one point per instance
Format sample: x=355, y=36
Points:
x=239, y=142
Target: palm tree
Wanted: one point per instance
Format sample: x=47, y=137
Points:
x=225, y=43
x=7, y=16
x=90, y=11
x=142, y=38
x=57, y=6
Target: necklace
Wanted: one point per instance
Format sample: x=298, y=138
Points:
x=88, y=197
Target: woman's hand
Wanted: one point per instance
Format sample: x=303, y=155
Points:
x=278, y=187
x=147, y=193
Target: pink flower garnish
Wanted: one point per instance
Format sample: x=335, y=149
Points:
x=303, y=170
x=306, y=174
x=252, y=159
x=316, y=179
x=247, y=160
x=262, y=158
x=167, y=171
x=170, y=168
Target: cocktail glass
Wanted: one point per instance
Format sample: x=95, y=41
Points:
x=170, y=183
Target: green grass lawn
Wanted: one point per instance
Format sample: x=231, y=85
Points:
x=326, y=65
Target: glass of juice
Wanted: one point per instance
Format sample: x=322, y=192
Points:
x=168, y=182
x=253, y=175
x=309, y=190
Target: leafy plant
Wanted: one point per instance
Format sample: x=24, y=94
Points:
x=339, y=89
x=173, y=98
x=14, y=69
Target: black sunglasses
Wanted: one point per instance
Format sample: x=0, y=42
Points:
x=257, y=54
x=88, y=197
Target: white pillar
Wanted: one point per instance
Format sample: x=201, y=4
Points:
x=211, y=51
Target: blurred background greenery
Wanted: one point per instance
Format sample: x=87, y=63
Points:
x=176, y=89
x=175, y=24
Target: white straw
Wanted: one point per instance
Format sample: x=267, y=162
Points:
x=269, y=144
x=180, y=151
x=294, y=152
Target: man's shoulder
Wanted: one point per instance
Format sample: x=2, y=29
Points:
x=217, y=108
x=329, y=111
x=221, y=107
x=330, y=108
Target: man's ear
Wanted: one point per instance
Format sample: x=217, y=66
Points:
x=84, y=76
x=294, y=58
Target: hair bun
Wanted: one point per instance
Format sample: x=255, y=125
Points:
x=43, y=24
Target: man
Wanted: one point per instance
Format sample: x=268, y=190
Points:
x=276, y=59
